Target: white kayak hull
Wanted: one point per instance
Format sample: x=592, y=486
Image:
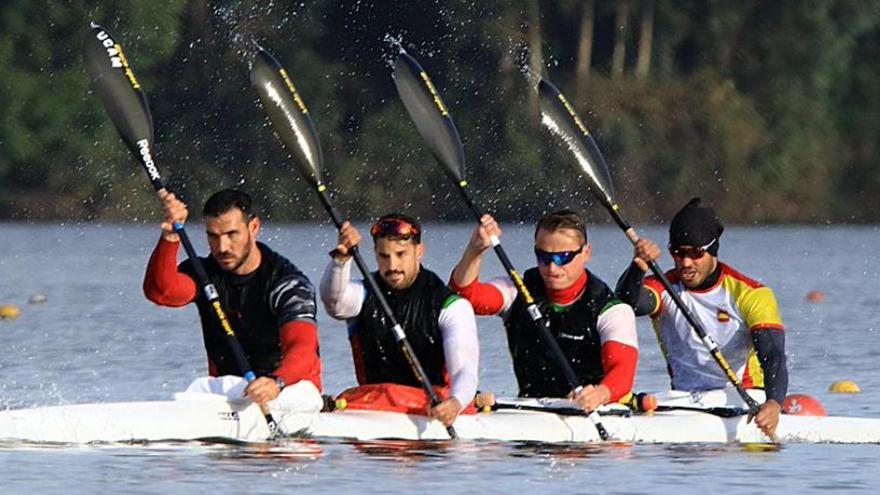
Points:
x=203, y=416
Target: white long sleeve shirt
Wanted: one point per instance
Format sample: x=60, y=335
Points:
x=343, y=299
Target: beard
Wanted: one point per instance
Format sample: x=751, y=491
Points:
x=245, y=255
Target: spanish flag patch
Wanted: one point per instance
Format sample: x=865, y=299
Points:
x=722, y=315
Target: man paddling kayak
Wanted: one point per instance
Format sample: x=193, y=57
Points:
x=268, y=301
x=596, y=331
x=439, y=325
x=736, y=311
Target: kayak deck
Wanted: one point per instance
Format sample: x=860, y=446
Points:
x=214, y=417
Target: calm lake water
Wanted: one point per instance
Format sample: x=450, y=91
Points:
x=97, y=339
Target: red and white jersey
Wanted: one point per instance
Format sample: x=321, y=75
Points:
x=729, y=311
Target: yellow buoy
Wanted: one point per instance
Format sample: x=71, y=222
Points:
x=844, y=387
x=9, y=311
x=761, y=447
x=341, y=404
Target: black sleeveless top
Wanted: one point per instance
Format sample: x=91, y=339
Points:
x=257, y=305
x=417, y=309
x=573, y=327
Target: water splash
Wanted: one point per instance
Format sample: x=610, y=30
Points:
x=522, y=54
x=394, y=43
x=243, y=25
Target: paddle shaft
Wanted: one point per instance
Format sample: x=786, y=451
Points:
x=399, y=334
x=561, y=411
x=534, y=312
x=720, y=411
x=707, y=340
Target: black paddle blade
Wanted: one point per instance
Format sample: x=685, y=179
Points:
x=426, y=108
x=558, y=116
x=114, y=81
x=289, y=115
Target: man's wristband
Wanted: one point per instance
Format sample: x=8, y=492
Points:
x=279, y=382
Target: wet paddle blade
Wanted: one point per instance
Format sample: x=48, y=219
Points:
x=289, y=116
x=429, y=113
x=559, y=117
x=114, y=82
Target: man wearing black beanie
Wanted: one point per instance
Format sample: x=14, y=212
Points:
x=739, y=313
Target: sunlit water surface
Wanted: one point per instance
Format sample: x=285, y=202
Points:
x=97, y=339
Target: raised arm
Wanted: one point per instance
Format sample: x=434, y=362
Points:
x=468, y=268
x=630, y=288
x=486, y=298
x=163, y=283
x=342, y=297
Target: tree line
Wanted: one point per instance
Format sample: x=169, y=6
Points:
x=768, y=110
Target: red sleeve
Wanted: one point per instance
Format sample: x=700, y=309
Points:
x=619, y=363
x=485, y=298
x=163, y=284
x=654, y=285
x=299, y=353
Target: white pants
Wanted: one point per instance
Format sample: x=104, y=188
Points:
x=302, y=396
x=724, y=397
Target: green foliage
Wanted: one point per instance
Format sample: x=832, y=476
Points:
x=770, y=110
x=56, y=146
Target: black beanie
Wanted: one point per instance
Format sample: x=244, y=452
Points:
x=695, y=225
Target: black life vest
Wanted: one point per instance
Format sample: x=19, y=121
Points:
x=377, y=355
x=245, y=299
x=573, y=327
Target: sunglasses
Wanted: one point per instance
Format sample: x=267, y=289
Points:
x=559, y=258
x=393, y=227
x=691, y=252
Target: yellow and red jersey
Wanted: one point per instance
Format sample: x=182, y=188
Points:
x=729, y=311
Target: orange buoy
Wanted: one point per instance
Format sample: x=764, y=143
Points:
x=802, y=405
x=647, y=402
x=815, y=296
x=641, y=402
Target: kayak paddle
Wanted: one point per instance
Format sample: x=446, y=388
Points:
x=562, y=121
x=720, y=411
x=291, y=120
x=432, y=119
x=124, y=100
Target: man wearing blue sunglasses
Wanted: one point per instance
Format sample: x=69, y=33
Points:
x=596, y=331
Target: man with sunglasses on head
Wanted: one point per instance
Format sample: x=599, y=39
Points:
x=596, y=331
x=438, y=324
x=739, y=313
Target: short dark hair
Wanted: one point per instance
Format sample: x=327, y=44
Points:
x=415, y=235
x=222, y=201
x=563, y=219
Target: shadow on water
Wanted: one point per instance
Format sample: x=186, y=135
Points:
x=403, y=450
